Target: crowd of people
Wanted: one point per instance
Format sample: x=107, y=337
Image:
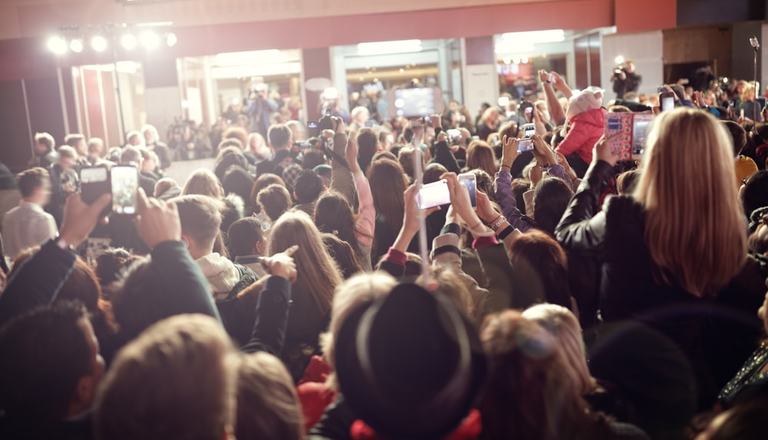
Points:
x=289, y=293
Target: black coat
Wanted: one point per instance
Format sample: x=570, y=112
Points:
x=715, y=334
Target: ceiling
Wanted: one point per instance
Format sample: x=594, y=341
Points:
x=32, y=18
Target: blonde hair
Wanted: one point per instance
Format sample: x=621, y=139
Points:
x=357, y=292
x=204, y=183
x=267, y=404
x=154, y=388
x=318, y=274
x=694, y=226
x=563, y=325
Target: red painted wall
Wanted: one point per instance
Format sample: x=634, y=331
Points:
x=646, y=15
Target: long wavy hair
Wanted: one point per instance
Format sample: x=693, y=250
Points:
x=318, y=274
x=334, y=216
x=694, y=226
x=388, y=182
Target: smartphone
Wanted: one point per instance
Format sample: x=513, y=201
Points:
x=313, y=128
x=433, y=194
x=528, y=130
x=524, y=145
x=503, y=101
x=741, y=113
x=551, y=77
x=94, y=182
x=667, y=100
x=469, y=180
x=454, y=135
x=125, y=186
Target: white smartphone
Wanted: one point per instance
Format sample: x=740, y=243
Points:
x=433, y=194
x=528, y=130
x=125, y=187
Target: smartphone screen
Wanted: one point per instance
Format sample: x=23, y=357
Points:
x=640, y=125
x=469, y=180
x=94, y=181
x=125, y=185
x=524, y=145
x=433, y=194
x=528, y=130
x=667, y=103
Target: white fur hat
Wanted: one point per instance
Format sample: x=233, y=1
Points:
x=588, y=99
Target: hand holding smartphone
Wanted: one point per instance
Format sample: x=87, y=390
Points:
x=437, y=193
x=121, y=181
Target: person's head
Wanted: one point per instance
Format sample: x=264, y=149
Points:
x=279, y=137
x=150, y=134
x=738, y=136
x=325, y=172
x=318, y=274
x=131, y=156
x=262, y=182
x=745, y=421
x=200, y=218
x=388, y=183
x=96, y=148
x=308, y=187
x=67, y=157
x=343, y=255
x=237, y=133
x=133, y=139
x=274, y=200
x=755, y=192
x=257, y=145
x=354, y=294
x=368, y=145
x=550, y=198
x=44, y=143
x=111, y=266
x=433, y=172
x=334, y=215
x=359, y=115
x=77, y=141
x=527, y=367
x=237, y=181
x=453, y=287
x=694, y=226
x=405, y=158
x=312, y=158
x=541, y=266
x=749, y=92
x=166, y=188
x=203, y=182
x=49, y=363
x=267, y=404
x=175, y=380
x=417, y=355
x=480, y=155
x=564, y=326
x=246, y=237
x=490, y=117
x=626, y=182
x=34, y=185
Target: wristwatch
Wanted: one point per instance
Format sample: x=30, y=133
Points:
x=63, y=244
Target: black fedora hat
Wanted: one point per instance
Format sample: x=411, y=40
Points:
x=410, y=365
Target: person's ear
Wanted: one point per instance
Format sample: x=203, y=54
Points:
x=260, y=247
x=84, y=394
x=186, y=240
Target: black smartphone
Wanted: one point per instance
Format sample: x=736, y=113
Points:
x=94, y=182
x=125, y=187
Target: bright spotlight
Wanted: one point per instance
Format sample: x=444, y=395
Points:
x=128, y=41
x=171, y=39
x=99, y=43
x=76, y=45
x=57, y=45
x=619, y=59
x=149, y=39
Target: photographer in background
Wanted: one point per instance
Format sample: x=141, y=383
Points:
x=625, y=80
x=260, y=108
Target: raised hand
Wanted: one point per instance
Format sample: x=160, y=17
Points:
x=509, y=151
x=157, y=221
x=80, y=218
x=604, y=152
x=544, y=155
x=484, y=208
x=282, y=264
x=543, y=76
x=350, y=154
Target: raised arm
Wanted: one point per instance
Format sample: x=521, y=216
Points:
x=39, y=279
x=582, y=228
x=503, y=188
x=341, y=175
x=556, y=112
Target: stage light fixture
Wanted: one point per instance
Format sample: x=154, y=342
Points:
x=149, y=39
x=171, y=39
x=99, y=43
x=76, y=45
x=57, y=45
x=128, y=41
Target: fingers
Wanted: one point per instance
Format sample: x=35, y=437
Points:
x=427, y=212
x=101, y=203
x=410, y=192
x=291, y=250
x=141, y=201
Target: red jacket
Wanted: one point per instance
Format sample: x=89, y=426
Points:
x=585, y=130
